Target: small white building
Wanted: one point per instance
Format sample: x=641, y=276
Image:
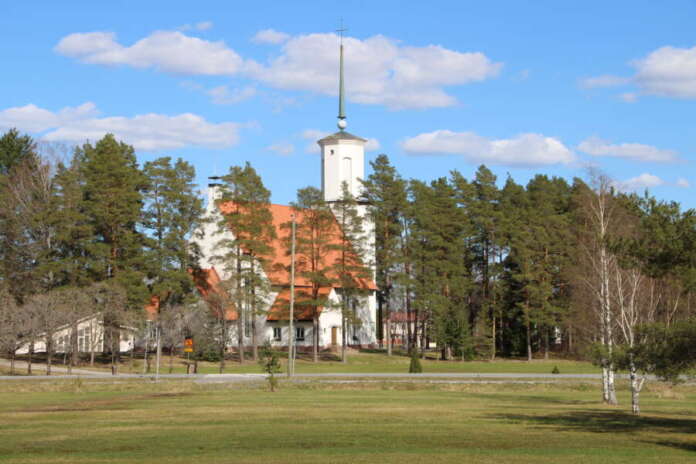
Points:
x=90, y=337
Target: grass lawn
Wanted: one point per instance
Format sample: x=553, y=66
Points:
x=369, y=362
x=318, y=422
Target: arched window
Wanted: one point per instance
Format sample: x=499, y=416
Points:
x=347, y=173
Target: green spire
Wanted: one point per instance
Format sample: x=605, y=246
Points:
x=341, y=93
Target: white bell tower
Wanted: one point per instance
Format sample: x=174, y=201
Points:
x=343, y=160
x=342, y=154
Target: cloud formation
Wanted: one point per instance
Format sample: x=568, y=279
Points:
x=168, y=51
x=147, y=132
x=603, y=81
x=270, y=36
x=683, y=183
x=641, y=182
x=200, y=26
x=525, y=150
x=668, y=71
x=222, y=95
x=379, y=70
x=282, y=148
x=596, y=146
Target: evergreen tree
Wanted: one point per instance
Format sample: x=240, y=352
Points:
x=245, y=208
x=113, y=186
x=172, y=212
x=314, y=242
x=349, y=267
x=439, y=279
x=484, y=210
x=15, y=149
x=385, y=192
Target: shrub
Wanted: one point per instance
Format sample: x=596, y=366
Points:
x=555, y=370
x=270, y=364
x=415, y=365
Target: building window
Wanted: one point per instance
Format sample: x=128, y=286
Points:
x=299, y=334
x=277, y=334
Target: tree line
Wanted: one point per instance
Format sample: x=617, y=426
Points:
x=479, y=270
x=576, y=267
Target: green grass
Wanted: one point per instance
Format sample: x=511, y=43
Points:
x=183, y=422
x=367, y=362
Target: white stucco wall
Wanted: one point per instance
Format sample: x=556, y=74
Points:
x=90, y=338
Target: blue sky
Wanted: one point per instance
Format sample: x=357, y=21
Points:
x=524, y=87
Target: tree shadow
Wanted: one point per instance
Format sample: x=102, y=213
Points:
x=676, y=444
x=605, y=421
x=532, y=399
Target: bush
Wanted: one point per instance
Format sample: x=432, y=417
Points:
x=415, y=365
x=555, y=370
x=270, y=364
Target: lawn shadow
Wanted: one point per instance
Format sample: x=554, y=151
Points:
x=675, y=444
x=602, y=421
x=517, y=398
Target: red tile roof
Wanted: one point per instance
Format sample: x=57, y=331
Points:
x=208, y=284
x=303, y=310
x=278, y=270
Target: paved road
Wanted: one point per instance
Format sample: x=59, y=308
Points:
x=435, y=377
x=21, y=367
x=344, y=377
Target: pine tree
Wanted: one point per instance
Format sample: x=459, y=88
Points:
x=484, y=209
x=314, y=241
x=113, y=186
x=172, y=212
x=385, y=192
x=349, y=267
x=245, y=208
x=440, y=280
x=15, y=149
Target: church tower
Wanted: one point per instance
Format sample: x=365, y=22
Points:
x=343, y=160
x=342, y=154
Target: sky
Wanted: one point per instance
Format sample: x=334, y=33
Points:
x=556, y=88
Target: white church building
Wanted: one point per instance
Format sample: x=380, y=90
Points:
x=342, y=160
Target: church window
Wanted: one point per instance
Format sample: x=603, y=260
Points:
x=348, y=172
x=277, y=334
x=299, y=334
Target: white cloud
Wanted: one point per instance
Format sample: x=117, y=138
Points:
x=603, y=81
x=629, y=97
x=372, y=145
x=169, y=51
x=222, y=95
x=524, y=150
x=313, y=135
x=596, y=146
x=200, y=26
x=668, y=71
x=378, y=70
x=31, y=118
x=641, y=182
x=270, y=36
x=148, y=132
x=683, y=183
x=282, y=148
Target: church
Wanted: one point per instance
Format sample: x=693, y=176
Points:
x=342, y=160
